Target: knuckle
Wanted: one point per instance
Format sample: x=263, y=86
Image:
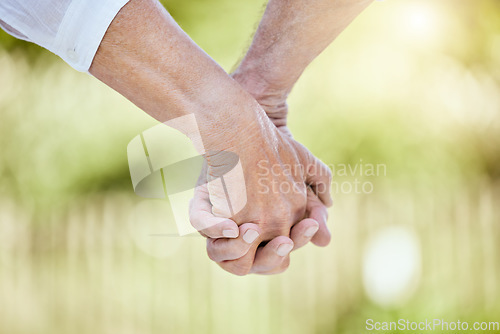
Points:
x=299, y=192
x=284, y=265
x=288, y=216
x=195, y=220
x=212, y=254
x=240, y=272
x=284, y=212
x=235, y=253
x=235, y=268
x=224, y=253
x=209, y=232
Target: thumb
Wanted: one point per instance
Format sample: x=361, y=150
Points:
x=225, y=183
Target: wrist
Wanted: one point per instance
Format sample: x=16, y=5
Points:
x=271, y=97
x=231, y=119
x=268, y=89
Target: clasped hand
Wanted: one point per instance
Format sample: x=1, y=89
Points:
x=287, y=198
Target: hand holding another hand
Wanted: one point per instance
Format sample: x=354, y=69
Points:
x=286, y=193
x=146, y=57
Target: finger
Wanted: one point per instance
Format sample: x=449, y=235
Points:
x=271, y=256
x=224, y=229
x=226, y=183
x=231, y=249
x=323, y=236
x=303, y=231
x=281, y=268
x=318, y=211
x=204, y=221
x=243, y=265
x=319, y=177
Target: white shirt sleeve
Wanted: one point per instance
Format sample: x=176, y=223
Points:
x=72, y=29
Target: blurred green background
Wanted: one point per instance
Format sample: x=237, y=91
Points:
x=413, y=85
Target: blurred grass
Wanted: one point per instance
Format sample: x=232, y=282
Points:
x=81, y=272
x=421, y=98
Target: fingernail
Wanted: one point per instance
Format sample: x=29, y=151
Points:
x=284, y=249
x=250, y=236
x=230, y=233
x=311, y=231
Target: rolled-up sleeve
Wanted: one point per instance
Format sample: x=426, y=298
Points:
x=72, y=29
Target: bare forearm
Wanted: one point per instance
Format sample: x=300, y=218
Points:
x=147, y=57
x=291, y=34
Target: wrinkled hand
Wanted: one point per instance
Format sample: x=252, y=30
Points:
x=273, y=257
x=272, y=211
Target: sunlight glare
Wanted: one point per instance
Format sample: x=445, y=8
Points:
x=392, y=265
x=421, y=21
